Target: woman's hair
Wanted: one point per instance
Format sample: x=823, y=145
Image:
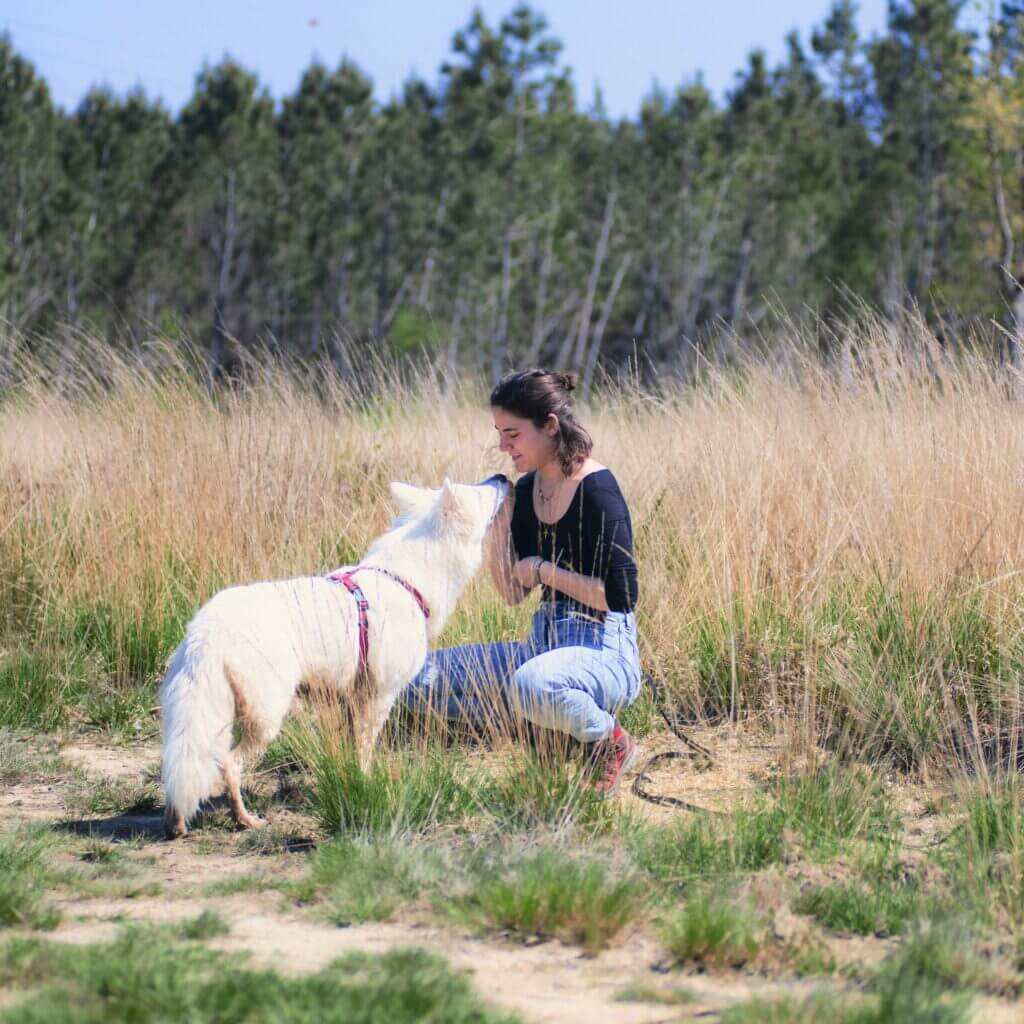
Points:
x=537, y=394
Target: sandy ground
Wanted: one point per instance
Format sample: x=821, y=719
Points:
x=547, y=983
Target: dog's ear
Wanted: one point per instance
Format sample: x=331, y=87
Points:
x=454, y=513
x=411, y=502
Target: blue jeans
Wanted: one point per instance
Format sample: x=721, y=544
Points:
x=572, y=673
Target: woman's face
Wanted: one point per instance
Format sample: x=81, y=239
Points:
x=528, y=446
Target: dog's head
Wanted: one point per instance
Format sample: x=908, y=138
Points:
x=459, y=509
x=454, y=517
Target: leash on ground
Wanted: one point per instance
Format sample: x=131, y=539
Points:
x=695, y=752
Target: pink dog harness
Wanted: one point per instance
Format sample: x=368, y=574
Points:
x=345, y=578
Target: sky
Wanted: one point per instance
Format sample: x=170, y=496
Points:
x=622, y=45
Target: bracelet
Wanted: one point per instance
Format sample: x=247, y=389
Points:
x=536, y=571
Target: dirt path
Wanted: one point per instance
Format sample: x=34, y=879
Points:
x=547, y=983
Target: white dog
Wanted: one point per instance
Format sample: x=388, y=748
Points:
x=250, y=649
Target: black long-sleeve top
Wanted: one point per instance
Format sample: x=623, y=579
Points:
x=594, y=537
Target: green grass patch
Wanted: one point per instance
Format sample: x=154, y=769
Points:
x=701, y=848
x=864, y=909
x=410, y=793
x=113, y=796
x=245, y=882
x=711, y=930
x=551, y=894
x=23, y=878
x=208, y=925
x=834, y=804
x=816, y=1009
x=38, y=687
x=543, y=791
x=369, y=881
x=641, y=993
x=145, y=975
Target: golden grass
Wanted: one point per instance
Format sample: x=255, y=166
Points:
x=757, y=497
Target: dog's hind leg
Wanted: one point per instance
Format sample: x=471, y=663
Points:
x=370, y=719
x=233, y=785
x=252, y=739
x=174, y=823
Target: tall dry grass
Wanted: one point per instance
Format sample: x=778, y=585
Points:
x=838, y=555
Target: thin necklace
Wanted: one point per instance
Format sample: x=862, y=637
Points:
x=545, y=498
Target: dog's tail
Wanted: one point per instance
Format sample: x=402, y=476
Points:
x=197, y=709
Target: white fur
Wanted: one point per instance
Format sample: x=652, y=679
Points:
x=250, y=648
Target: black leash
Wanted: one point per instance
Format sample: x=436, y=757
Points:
x=695, y=752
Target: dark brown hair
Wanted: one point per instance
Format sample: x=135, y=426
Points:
x=537, y=394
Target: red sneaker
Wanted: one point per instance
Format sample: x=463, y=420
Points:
x=611, y=759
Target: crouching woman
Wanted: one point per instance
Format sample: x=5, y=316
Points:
x=567, y=530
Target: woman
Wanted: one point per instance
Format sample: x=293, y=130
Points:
x=567, y=530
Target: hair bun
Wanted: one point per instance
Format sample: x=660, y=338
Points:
x=567, y=380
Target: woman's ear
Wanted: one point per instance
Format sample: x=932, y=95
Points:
x=552, y=426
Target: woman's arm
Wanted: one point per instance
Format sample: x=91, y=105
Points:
x=535, y=571
x=501, y=558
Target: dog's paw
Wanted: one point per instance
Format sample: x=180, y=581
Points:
x=174, y=825
x=251, y=821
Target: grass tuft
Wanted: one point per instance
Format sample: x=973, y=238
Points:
x=710, y=930
x=550, y=894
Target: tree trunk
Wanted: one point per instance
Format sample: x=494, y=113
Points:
x=602, y=323
x=218, y=347
x=588, y=300
x=738, y=302
x=538, y=334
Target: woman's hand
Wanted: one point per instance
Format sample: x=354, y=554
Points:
x=526, y=572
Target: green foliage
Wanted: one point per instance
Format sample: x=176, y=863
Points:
x=412, y=331
x=835, y=803
x=543, y=791
x=462, y=218
x=702, y=848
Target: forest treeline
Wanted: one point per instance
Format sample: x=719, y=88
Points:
x=495, y=217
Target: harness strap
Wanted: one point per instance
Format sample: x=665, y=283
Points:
x=345, y=578
x=417, y=596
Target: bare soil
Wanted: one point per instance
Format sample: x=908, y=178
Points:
x=547, y=983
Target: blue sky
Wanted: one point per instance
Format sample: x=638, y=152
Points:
x=622, y=44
